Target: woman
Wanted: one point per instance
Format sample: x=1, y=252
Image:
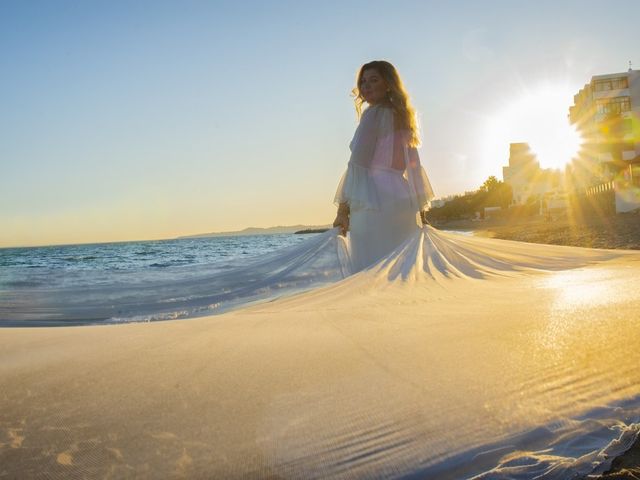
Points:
x=384, y=186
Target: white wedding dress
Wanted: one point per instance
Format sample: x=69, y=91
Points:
x=385, y=186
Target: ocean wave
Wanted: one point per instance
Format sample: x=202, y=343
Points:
x=155, y=317
x=80, y=258
x=22, y=283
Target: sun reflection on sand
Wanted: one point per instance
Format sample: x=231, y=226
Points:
x=577, y=289
x=580, y=301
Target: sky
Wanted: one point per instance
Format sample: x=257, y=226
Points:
x=151, y=119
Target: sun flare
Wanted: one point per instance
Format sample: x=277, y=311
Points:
x=538, y=118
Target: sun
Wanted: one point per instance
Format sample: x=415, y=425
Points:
x=539, y=118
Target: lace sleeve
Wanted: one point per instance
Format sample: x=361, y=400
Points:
x=356, y=186
x=421, y=191
x=364, y=141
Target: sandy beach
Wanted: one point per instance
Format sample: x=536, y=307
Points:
x=614, y=231
x=456, y=370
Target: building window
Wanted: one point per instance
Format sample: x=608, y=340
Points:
x=619, y=83
x=612, y=84
x=614, y=105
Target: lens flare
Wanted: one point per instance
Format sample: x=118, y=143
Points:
x=540, y=119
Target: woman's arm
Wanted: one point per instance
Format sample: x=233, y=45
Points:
x=363, y=145
x=356, y=187
x=342, y=218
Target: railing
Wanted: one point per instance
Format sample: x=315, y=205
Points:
x=598, y=189
x=597, y=200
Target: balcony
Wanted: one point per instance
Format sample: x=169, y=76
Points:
x=623, y=92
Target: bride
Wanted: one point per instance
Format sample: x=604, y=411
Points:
x=384, y=186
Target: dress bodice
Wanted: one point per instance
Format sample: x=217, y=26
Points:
x=378, y=146
x=376, y=142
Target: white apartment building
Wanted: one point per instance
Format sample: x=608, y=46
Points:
x=607, y=114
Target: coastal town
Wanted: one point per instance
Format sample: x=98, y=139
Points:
x=594, y=202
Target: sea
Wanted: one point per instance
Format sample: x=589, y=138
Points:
x=38, y=284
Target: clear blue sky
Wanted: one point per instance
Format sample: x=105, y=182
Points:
x=142, y=120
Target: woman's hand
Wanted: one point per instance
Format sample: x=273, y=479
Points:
x=342, y=221
x=342, y=218
x=423, y=217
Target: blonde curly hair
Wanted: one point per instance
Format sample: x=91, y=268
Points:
x=397, y=98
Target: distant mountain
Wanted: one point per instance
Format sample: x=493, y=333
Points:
x=260, y=231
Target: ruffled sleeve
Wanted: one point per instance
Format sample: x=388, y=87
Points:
x=374, y=147
x=419, y=185
x=356, y=187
